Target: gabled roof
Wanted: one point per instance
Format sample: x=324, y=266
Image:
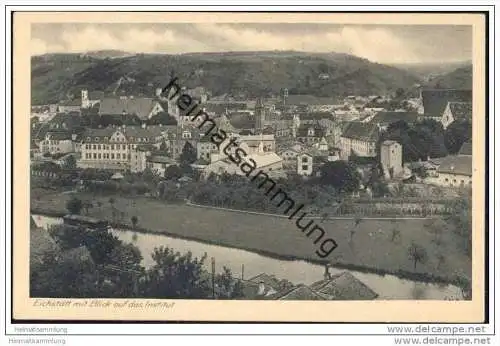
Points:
x=344, y=286
x=367, y=132
x=392, y=117
x=461, y=110
x=140, y=106
x=466, y=148
x=435, y=100
x=459, y=164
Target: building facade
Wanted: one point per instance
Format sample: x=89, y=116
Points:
x=391, y=159
x=111, y=148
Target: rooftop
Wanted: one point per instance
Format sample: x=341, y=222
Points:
x=456, y=164
x=435, y=100
x=140, y=106
x=367, y=132
x=344, y=286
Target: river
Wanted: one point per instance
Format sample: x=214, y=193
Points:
x=387, y=286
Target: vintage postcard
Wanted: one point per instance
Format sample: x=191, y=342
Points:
x=272, y=167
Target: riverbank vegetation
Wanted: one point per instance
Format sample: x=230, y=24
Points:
x=371, y=246
x=99, y=265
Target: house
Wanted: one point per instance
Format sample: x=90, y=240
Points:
x=142, y=107
x=433, y=102
x=57, y=142
x=138, y=156
x=289, y=154
x=455, y=171
x=265, y=162
x=205, y=148
x=91, y=99
x=384, y=119
x=68, y=106
x=158, y=164
x=461, y=111
x=359, y=139
x=310, y=133
x=391, y=159
x=111, y=147
x=344, y=286
x=309, y=162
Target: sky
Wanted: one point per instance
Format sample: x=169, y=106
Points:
x=386, y=44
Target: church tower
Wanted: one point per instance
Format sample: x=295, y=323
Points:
x=259, y=116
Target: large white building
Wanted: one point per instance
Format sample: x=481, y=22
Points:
x=360, y=139
x=112, y=147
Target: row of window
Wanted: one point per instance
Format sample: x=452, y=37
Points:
x=111, y=156
x=109, y=147
x=120, y=139
x=462, y=182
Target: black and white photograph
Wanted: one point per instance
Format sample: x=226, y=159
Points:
x=251, y=161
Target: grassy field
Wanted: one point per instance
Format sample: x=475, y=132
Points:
x=371, y=247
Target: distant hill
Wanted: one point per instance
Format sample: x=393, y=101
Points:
x=461, y=78
x=245, y=74
x=428, y=71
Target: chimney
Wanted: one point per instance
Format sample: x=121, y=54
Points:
x=143, y=125
x=73, y=137
x=262, y=289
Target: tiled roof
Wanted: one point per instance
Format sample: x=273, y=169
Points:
x=367, y=132
x=461, y=110
x=466, y=148
x=300, y=292
x=344, y=286
x=140, y=106
x=459, y=164
x=435, y=100
x=392, y=117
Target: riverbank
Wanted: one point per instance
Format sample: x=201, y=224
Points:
x=370, y=251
